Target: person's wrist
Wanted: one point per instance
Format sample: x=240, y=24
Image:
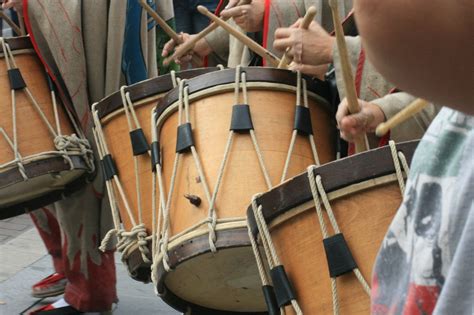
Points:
x=202, y=48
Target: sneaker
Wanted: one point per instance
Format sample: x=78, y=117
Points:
x=50, y=286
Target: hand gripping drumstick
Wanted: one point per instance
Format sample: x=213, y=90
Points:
x=349, y=85
x=168, y=30
x=254, y=46
x=308, y=18
x=187, y=46
x=415, y=107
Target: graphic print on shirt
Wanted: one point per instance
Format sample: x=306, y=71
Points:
x=416, y=253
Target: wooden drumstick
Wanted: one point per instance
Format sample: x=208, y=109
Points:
x=415, y=107
x=166, y=28
x=250, y=43
x=349, y=85
x=187, y=46
x=307, y=19
x=12, y=24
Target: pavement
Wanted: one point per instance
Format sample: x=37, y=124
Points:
x=24, y=261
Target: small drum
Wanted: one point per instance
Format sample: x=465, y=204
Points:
x=220, y=138
x=43, y=155
x=122, y=120
x=321, y=231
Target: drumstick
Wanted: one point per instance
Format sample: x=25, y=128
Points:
x=166, y=28
x=187, y=46
x=307, y=19
x=12, y=24
x=415, y=107
x=250, y=43
x=360, y=143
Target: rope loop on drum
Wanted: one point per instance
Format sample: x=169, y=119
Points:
x=320, y=197
x=399, y=158
x=269, y=247
x=302, y=124
x=75, y=145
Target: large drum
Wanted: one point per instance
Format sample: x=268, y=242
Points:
x=321, y=231
x=220, y=138
x=121, y=120
x=43, y=156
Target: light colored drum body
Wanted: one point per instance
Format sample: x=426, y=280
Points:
x=224, y=279
x=113, y=131
x=364, y=194
x=33, y=170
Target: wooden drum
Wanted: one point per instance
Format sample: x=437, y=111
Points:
x=220, y=138
x=357, y=198
x=42, y=154
x=119, y=118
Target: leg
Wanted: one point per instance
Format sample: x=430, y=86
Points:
x=90, y=273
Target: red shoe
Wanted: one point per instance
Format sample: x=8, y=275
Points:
x=50, y=286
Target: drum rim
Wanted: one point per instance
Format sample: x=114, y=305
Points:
x=50, y=197
x=40, y=168
x=255, y=74
x=335, y=175
x=144, y=89
x=190, y=248
x=18, y=43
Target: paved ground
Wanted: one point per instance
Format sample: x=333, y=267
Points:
x=23, y=261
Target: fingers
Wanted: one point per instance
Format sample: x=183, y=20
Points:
x=342, y=111
x=283, y=43
x=169, y=46
x=235, y=12
x=314, y=71
x=283, y=32
x=232, y=3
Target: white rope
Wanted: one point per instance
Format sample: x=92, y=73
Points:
x=317, y=190
x=301, y=88
x=269, y=247
x=396, y=164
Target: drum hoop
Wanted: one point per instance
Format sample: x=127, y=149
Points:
x=145, y=89
x=334, y=195
x=254, y=74
x=38, y=167
x=335, y=175
x=229, y=87
x=18, y=44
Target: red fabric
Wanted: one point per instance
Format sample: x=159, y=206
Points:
x=96, y=292
x=358, y=83
x=52, y=240
x=266, y=25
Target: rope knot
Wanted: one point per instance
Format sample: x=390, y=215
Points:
x=73, y=144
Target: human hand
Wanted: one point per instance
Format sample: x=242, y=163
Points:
x=312, y=46
x=16, y=4
x=353, y=126
x=314, y=71
x=201, y=48
x=249, y=17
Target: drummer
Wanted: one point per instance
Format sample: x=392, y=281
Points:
x=425, y=262
x=315, y=48
x=259, y=20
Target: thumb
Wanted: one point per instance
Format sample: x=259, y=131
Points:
x=231, y=4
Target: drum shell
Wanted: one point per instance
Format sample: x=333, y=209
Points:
x=49, y=177
x=364, y=195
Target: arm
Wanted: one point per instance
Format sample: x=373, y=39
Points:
x=435, y=61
